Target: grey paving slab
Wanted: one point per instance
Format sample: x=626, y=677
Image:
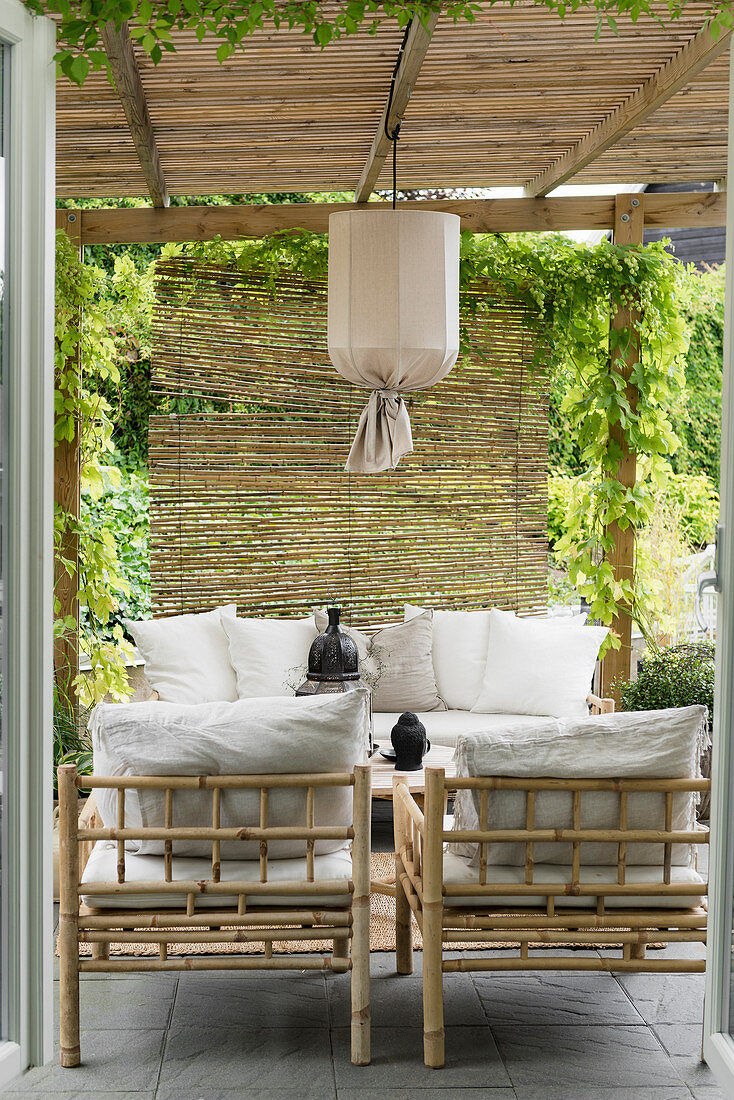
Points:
x=485, y=1093
x=250, y=1092
x=584, y=1092
x=398, y=1001
x=666, y=998
x=581, y=1056
x=142, y=1004
x=683, y=1044
x=127, y=1061
x=472, y=1060
x=246, y=1058
x=563, y=998
x=85, y=1094
x=245, y=999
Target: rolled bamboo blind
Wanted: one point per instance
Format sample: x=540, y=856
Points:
x=250, y=502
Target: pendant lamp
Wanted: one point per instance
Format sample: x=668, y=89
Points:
x=393, y=317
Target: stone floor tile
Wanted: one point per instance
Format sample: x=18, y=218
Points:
x=583, y=1056
x=585, y=1092
x=683, y=1044
x=143, y=1004
x=246, y=1058
x=407, y=1093
x=472, y=1061
x=250, y=1093
x=563, y=998
x=126, y=1061
x=231, y=999
x=399, y=1002
x=668, y=998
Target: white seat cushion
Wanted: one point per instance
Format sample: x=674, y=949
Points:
x=102, y=867
x=457, y=870
x=443, y=727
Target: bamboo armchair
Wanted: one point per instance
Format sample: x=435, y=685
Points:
x=419, y=842
x=344, y=926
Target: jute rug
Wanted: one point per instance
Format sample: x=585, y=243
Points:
x=382, y=932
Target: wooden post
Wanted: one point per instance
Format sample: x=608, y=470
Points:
x=67, y=495
x=433, y=1034
x=70, y=1054
x=629, y=224
x=360, y=984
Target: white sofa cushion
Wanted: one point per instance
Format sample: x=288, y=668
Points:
x=459, y=651
x=538, y=666
x=662, y=744
x=443, y=727
x=397, y=661
x=187, y=656
x=326, y=733
x=269, y=656
x=102, y=867
x=457, y=871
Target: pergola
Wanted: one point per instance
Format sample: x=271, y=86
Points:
x=518, y=98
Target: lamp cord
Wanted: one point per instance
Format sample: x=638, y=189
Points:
x=394, y=136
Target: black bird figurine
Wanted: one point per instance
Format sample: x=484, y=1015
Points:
x=409, y=740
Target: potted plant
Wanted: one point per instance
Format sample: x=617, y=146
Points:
x=678, y=676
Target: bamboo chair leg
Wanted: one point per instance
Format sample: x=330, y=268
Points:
x=101, y=951
x=433, y=1033
x=360, y=984
x=70, y=1054
x=403, y=929
x=638, y=951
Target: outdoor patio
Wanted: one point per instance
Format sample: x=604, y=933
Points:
x=541, y=1036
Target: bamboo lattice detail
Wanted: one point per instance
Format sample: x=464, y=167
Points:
x=250, y=501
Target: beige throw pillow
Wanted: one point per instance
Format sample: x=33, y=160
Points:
x=396, y=663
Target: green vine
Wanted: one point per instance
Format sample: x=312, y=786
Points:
x=84, y=359
x=572, y=291
x=151, y=23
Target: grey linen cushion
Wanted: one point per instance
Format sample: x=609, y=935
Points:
x=397, y=663
x=279, y=735
x=662, y=744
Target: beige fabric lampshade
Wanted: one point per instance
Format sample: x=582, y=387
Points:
x=393, y=317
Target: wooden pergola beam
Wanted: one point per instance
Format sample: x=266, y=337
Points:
x=679, y=71
x=201, y=223
x=126, y=75
x=416, y=47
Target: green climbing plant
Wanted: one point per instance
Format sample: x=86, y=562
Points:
x=85, y=355
x=152, y=24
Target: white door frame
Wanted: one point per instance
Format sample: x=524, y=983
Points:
x=26, y=977
x=718, y=1042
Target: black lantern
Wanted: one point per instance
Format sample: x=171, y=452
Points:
x=333, y=662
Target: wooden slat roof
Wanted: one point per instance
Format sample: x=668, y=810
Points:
x=496, y=103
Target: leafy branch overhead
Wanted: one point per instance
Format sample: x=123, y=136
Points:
x=151, y=24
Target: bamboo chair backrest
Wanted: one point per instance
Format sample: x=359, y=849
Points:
x=357, y=832
x=435, y=836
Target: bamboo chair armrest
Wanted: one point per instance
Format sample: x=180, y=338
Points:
x=599, y=705
x=408, y=809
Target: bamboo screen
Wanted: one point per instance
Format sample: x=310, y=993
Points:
x=250, y=502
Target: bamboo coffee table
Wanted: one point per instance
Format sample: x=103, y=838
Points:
x=439, y=756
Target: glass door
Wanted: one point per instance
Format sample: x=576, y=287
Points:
x=719, y=1012
x=26, y=518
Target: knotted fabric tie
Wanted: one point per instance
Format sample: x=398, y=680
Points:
x=383, y=434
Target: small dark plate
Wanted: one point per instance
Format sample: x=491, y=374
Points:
x=388, y=753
